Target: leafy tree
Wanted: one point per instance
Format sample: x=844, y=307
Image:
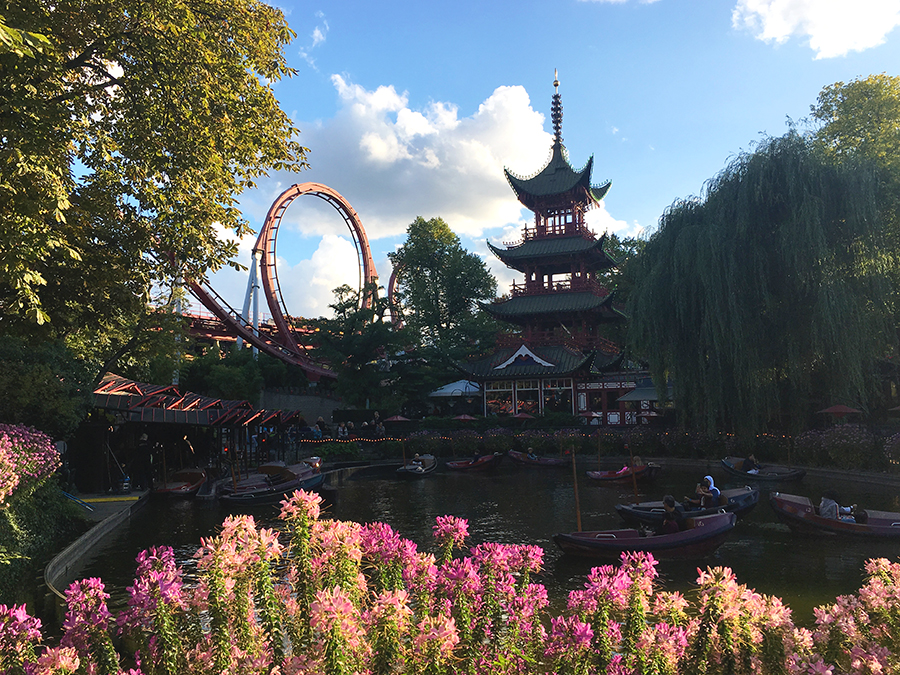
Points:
x=766, y=296
x=861, y=120
x=126, y=135
x=43, y=386
x=439, y=287
x=361, y=345
x=232, y=375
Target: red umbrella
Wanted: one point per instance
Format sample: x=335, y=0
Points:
x=523, y=416
x=464, y=417
x=397, y=418
x=840, y=410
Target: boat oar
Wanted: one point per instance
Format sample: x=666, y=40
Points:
x=633, y=474
x=575, y=483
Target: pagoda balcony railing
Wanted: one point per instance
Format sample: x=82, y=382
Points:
x=557, y=337
x=565, y=229
x=564, y=285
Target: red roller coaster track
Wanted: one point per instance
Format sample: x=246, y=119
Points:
x=287, y=347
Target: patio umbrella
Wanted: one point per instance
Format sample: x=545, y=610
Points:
x=523, y=416
x=464, y=417
x=840, y=410
x=397, y=418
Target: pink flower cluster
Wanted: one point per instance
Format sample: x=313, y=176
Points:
x=27, y=457
x=339, y=598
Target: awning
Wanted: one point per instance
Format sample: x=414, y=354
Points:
x=645, y=394
x=458, y=388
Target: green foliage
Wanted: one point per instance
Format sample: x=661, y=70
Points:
x=362, y=347
x=337, y=449
x=33, y=527
x=234, y=375
x=439, y=287
x=43, y=386
x=127, y=135
x=768, y=294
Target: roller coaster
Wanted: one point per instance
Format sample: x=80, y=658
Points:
x=285, y=340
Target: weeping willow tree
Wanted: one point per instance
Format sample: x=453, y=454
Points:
x=764, y=298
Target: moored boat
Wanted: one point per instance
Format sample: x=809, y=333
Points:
x=419, y=465
x=765, y=472
x=275, y=484
x=182, y=483
x=738, y=501
x=641, y=472
x=700, y=537
x=477, y=463
x=535, y=460
x=801, y=515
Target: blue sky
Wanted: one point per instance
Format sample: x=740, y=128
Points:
x=414, y=108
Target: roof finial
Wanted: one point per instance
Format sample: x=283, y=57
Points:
x=556, y=112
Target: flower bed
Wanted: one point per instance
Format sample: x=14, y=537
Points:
x=332, y=598
x=27, y=457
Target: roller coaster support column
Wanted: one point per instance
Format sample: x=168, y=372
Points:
x=253, y=284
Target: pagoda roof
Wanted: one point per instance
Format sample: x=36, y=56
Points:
x=537, y=249
x=521, y=307
x=527, y=361
x=557, y=178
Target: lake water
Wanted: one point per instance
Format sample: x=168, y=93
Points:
x=518, y=504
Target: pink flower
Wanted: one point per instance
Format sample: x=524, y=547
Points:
x=451, y=530
x=307, y=504
x=57, y=661
x=437, y=633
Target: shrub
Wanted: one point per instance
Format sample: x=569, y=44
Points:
x=499, y=440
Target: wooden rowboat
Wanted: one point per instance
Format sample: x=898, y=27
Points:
x=738, y=501
x=425, y=464
x=642, y=472
x=476, y=464
x=766, y=472
x=701, y=536
x=525, y=458
x=801, y=515
x=182, y=483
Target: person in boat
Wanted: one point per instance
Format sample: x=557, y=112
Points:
x=635, y=463
x=479, y=451
x=706, y=495
x=830, y=507
x=531, y=454
x=416, y=462
x=673, y=520
x=750, y=465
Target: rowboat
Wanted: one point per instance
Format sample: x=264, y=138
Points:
x=738, y=501
x=535, y=460
x=766, y=472
x=182, y=483
x=273, y=485
x=701, y=536
x=801, y=515
x=477, y=463
x=418, y=466
x=641, y=472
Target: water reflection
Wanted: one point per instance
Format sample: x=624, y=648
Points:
x=517, y=504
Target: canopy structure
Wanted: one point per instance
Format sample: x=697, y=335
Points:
x=458, y=388
x=645, y=394
x=840, y=410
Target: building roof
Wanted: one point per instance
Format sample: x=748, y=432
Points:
x=522, y=307
x=527, y=361
x=557, y=178
x=547, y=248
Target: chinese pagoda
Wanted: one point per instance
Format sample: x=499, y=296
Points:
x=556, y=360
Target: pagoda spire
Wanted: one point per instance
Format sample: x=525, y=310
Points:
x=556, y=112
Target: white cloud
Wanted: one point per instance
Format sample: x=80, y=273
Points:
x=834, y=28
x=394, y=163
